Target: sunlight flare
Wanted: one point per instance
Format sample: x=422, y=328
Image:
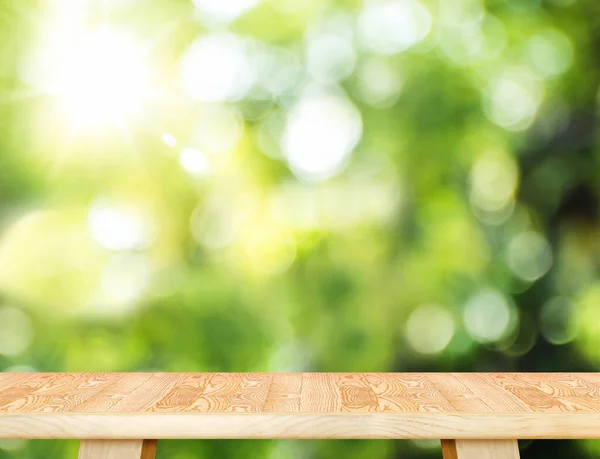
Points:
x=102, y=79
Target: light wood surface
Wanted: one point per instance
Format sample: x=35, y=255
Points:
x=480, y=449
x=117, y=449
x=300, y=405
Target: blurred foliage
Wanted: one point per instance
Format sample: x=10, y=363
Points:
x=387, y=185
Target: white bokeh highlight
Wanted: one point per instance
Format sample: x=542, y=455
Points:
x=223, y=11
x=487, y=316
x=117, y=227
x=169, y=139
x=330, y=50
x=97, y=77
x=124, y=280
x=494, y=181
x=194, y=162
x=321, y=131
x=379, y=82
x=512, y=99
x=429, y=329
x=218, y=68
x=393, y=26
x=550, y=53
x=529, y=255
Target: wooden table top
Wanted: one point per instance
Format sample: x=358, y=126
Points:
x=300, y=405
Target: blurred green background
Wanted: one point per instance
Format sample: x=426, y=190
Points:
x=286, y=185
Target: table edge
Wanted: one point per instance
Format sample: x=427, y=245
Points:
x=300, y=426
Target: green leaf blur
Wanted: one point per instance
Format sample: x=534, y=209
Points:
x=286, y=185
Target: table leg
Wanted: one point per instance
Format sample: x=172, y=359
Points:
x=480, y=449
x=117, y=449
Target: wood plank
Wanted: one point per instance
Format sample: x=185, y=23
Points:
x=409, y=392
x=593, y=378
x=480, y=449
x=218, y=393
x=35, y=390
x=567, y=393
x=391, y=393
x=148, y=393
x=458, y=394
x=7, y=378
x=66, y=394
x=585, y=389
x=27, y=382
x=294, y=392
x=498, y=399
x=107, y=398
x=300, y=426
x=425, y=394
x=300, y=405
x=11, y=390
x=184, y=392
x=284, y=393
x=117, y=449
x=356, y=394
x=319, y=393
x=251, y=395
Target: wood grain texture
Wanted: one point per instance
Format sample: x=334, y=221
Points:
x=320, y=393
x=495, y=396
x=52, y=392
x=252, y=393
x=356, y=394
x=449, y=449
x=480, y=449
x=218, y=394
x=300, y=405
x=110, y=395
x=299, y=426
x=284, y=393
x=117, y=449
x=145, y=397
x=182, y=393
x=457, y=393
x=570, y=393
